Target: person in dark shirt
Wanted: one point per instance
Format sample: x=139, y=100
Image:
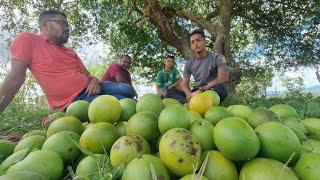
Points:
x=118, y=79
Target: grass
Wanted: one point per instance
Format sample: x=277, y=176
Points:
x=18, y=119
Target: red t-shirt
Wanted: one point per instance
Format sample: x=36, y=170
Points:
x=57, y=69
x=116, y=70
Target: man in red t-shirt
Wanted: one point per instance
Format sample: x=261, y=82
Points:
x=119, y=78
x=58, y=69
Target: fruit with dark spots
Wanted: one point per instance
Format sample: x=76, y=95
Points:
x=142, y=168
x=184, y=155
x=127, y=148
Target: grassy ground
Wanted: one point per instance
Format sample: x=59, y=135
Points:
x=19, y=119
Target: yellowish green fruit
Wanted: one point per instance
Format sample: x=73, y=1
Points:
x=99, y=137
x=219, y=167
x=67, y=123
x=146, y=167
x=22, y=175
x=173, y=116
x=89, y=166
x=266, y=169
x=128, y=108
x=62, y=144
x=79, y=109
x=150, y=102
x=235, y=139
x=200, y=103
x=144, y=124
x=180, y=151
x=104, y=108
x=6, y=149
x=127, y=148
x=203, y=131
x=44, y=162
x=30, y=142
x=214, y=96
x=216, y=113
x=240, y=110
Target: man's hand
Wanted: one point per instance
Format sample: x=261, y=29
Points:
x=189, y=96
x=93, y=87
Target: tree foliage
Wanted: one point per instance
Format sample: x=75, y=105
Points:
x=285, y=33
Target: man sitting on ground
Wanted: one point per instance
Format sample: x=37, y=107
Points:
x=209, y=70
x=168, y=81
x=118, y=78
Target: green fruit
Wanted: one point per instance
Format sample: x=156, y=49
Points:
x=260, y=116
x=308, y=167
x=145, y=124
x=216, y=113
x=284, y=110
x=180, y=151
x=104, y=108
x=22, y=175
x=173, y=116
x=62, y=144
x=67, y=123
x=30, y=142
x=219, y=167
x=169, y=101
x=203, y=131
x=127, y=148
x=266, y=169
x=6, y=149
x=240, y=110
x=88, y=166
x=44, y=162
x=99, y=137
x=235, y=139
x=150, y=102
x=79, y=109
x=128, y=108
x=278, y=142
x=145, y=167
x=35, y=132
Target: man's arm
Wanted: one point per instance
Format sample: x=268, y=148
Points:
x=94, y=84
x=222, y=77
x=159, y=91
x=186, y=89
x=12, y=83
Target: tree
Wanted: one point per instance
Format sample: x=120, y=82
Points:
x=285, y=32
x=293, y=84
x=254, y=82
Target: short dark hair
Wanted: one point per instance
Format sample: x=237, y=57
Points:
x=170, y=56
x=197, y=32
x=49, y=14
x=126, y=55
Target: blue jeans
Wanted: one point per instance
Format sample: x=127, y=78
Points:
x=118, y=90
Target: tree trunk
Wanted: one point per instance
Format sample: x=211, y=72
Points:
x=318, y=74
x=222, y=43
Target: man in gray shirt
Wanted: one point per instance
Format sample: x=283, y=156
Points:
x=209, y=70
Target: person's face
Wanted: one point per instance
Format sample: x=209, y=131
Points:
x=125, y=62
x=56, y=29
x=198, y=43
x=169, y=63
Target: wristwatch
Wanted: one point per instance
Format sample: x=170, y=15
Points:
x=201, y=89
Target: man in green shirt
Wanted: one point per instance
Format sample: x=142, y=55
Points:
x=168, y=81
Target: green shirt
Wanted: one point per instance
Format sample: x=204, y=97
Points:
x=165, y=79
